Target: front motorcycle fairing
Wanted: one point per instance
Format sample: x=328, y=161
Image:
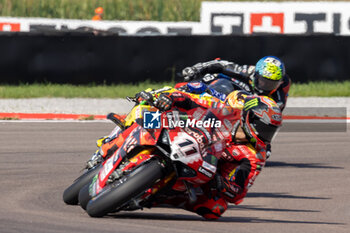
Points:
x=137, y=137
x=197, y=150
x=134, y=136
x=187, y=155
x=136, y=114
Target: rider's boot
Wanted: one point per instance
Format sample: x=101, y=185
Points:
x=210, y=209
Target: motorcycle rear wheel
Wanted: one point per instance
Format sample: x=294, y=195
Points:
x=118, y=193
x=70, y=195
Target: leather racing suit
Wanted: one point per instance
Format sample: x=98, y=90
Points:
x=241, y=77
x=237, y=171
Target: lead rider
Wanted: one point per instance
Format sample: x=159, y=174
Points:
x=254, y=127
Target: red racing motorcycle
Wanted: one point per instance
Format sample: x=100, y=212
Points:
x=92, y=166
x=158, y=154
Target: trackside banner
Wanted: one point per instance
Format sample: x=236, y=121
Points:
x=217, y=18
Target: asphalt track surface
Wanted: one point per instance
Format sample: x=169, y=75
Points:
x=303, y=188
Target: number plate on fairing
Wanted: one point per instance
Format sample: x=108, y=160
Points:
x=185, y=149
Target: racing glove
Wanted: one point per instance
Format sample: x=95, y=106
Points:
x=164, y=102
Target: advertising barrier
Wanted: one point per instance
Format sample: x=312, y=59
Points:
x=216, y=18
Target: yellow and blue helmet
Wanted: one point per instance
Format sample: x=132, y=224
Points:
x=269, y=72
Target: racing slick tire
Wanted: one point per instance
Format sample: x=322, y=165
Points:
x=70, y=195
x=84, y=196
x=116, y=194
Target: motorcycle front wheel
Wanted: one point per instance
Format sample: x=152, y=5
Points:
x=70, y=195
x=123, y=190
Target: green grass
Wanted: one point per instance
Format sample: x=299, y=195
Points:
x=322, y=89
x=75, y=91
x=158, y=10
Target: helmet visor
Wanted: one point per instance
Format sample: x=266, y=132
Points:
x=265, y=85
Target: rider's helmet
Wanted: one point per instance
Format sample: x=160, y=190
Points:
x=269, y=72
x=260, y=120
x=236, y=99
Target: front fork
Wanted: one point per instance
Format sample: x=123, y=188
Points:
x=129, y=164
x=95, y=160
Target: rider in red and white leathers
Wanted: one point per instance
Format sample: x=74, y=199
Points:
x=246, y=148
